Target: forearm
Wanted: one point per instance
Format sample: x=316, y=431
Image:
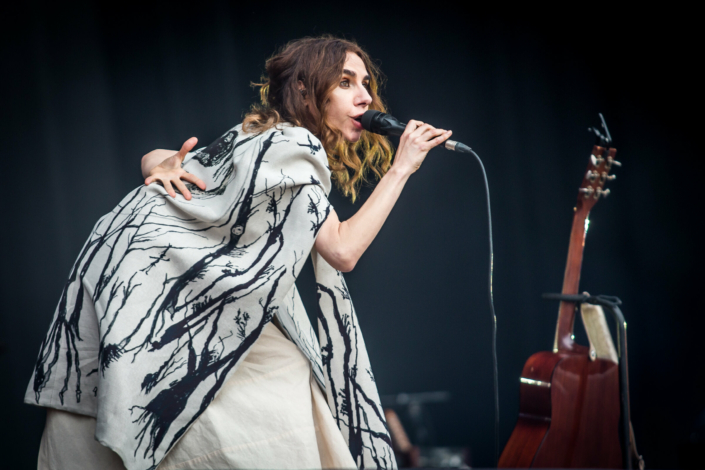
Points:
x=345, y=242
x=357, y=233
x=153, y=159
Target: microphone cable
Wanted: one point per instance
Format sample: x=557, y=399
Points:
x=462, y=148
x=495, y=369
x=385, y=124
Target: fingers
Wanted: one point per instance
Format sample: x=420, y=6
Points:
x=174, y=179
x=426, y=132
x=187, y=147
x=194, y=179
x=432, y=133
x=411, y=126
x=424, y=135
x=182, y=189
x=423, y=131
x=169, y=189
x=440, y=139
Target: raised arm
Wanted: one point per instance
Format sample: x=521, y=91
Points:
x=342, y=243
x=164, y=166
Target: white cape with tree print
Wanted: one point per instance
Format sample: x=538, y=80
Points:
x=167, y=295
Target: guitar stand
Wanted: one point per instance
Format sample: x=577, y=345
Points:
x=611, y=304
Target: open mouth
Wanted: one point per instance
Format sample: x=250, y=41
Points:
x=358, y=121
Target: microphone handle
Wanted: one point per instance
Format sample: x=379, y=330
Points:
x=392, y=126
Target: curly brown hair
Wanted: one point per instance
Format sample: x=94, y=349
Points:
x=318, y=64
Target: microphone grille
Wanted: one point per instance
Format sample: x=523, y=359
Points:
x=368, y=117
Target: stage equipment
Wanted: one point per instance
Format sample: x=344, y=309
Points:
x=415, y=407
x=405, y=452
x=574, y=401
x=384, y=124
x=422, y=452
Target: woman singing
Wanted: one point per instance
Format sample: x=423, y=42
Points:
x=180, y=340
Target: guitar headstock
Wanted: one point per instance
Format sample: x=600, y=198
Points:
x=598, y=171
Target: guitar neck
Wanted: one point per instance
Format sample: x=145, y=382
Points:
x=571, y=280
x=589, y=192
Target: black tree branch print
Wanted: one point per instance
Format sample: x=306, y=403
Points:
x=167, y=295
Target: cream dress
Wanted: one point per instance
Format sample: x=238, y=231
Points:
x=270, y=414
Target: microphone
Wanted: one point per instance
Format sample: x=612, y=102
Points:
x=384, y=124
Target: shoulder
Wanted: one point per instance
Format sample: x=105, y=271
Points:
x=303, y=138
x=294, y=139
x=297, y=153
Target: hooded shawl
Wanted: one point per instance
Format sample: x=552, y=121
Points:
x=167, y=296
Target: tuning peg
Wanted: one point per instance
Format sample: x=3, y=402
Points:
x=591, y=175
x=596, y=160
x=605, y=177
x=587, y=192
x=602, y=192
x=611, y=161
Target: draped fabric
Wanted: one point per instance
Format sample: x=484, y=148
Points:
x=168, y=295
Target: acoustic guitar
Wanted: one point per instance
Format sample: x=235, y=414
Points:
x=569, y=413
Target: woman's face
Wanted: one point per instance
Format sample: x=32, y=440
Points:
x=350, y=99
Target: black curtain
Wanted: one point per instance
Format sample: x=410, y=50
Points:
x=87, y=89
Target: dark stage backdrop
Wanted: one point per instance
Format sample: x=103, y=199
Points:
x=88, y=89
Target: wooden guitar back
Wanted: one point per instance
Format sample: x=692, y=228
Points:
x=569, y=413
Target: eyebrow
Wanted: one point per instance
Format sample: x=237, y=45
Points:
x=353, y=74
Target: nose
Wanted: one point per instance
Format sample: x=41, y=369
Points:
x=363, y=98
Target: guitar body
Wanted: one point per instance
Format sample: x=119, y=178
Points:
x=569, y=412
x=574, y=423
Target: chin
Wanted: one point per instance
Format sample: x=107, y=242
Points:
x=352, y=136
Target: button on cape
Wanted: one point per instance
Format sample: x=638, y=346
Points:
x=167, y=296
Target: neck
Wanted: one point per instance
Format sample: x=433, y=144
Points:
x=571, y=279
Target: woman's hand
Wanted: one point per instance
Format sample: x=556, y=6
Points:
x=169, y=171
x=414, y=144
